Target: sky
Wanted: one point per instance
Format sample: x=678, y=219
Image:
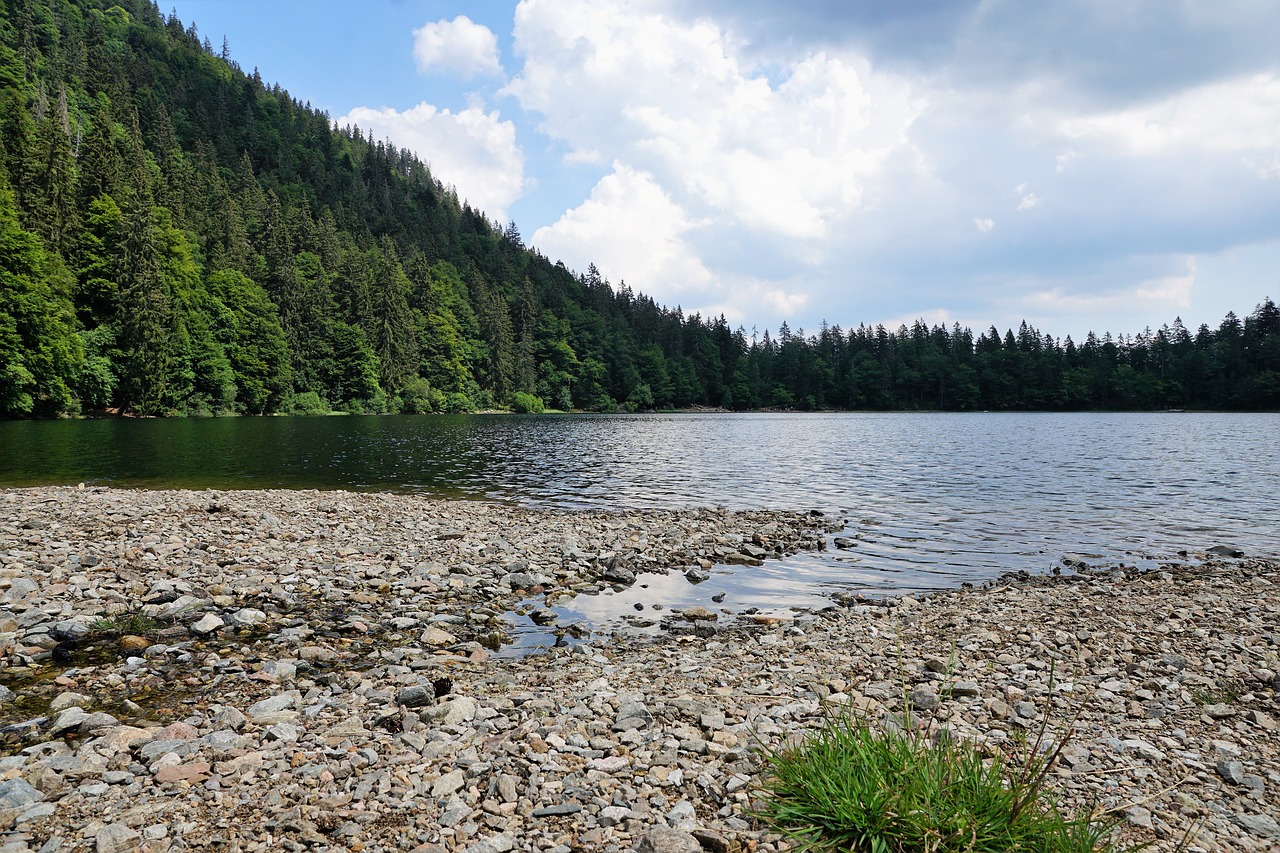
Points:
x=1083, y=165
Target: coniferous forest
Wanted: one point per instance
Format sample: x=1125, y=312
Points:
x=179, y=237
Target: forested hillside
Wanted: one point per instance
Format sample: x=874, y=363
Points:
x=179, y=237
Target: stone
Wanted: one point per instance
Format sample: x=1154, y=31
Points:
x=711, y=841
x=507, y=788
x=1219, y=711
x=696, y=576
x=449, y=783
x=35, y=812
x=415, y=696
x=558, y=810
x=207, y=624
x=501, y=843
x=68, y=699
x=664, y=839
x=1260, y=825
x=459, y=709
x=521, y=580
x=266, y=710
x=965, y=689
x=117, y=838
x=20, y=591
x=696, y=614
x=194, y=772
x=97, y=721
x=435, y=637
x=6, y=695
x=247, y=617
x=1231, y=771
x=1224, y=551
x=1261, y=719
x=609, y=764
x=67, y=720
x=924, y=699
x=16, y=795
x=620, y=575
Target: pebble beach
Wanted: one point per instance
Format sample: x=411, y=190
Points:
x=303, y=670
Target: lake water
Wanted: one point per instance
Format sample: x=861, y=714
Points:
x=934, y=499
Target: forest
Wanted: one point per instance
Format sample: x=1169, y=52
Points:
x=178, y=237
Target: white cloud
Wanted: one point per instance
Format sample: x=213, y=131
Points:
x=785, y=176
x=461, y=48
x=787, y=159
x=1156, y=298
x=473, y=150
x=630, y=229
x=1236, y=116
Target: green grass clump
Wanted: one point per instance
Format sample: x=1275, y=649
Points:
x=111, y=627
x=852, y=787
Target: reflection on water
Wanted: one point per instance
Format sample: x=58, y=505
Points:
x=932, y=499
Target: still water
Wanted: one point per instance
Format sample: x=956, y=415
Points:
x=934, y=499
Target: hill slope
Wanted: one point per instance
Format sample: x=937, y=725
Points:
x=179, y=237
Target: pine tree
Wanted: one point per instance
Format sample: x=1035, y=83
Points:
x=39, y=351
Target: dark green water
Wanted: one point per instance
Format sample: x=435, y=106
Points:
x=437, y=454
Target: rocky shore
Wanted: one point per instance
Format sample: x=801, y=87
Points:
x=241, y=671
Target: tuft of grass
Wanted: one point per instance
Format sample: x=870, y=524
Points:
x=850, y=786
x=1223, y=695
x=111, y=627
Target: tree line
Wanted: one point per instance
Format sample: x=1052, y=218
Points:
x=178, y=237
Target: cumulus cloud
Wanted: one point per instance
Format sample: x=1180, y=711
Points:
x=630, y=229
x=788, y=157
x=794, y=166
x=473, y=150
x=461, y=48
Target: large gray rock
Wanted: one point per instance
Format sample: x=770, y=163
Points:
x=1260, y=825
x=664, y=839
x=924, y=699
x=15, y=796
x=415, y=696
x=501, y=843
x=207, y=624
x=117, y=838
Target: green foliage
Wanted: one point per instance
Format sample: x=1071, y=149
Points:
x=40, y=354
x=851, y=786
x=522, y=403
x=113, y=627
x=307, y=403
x=417, y=397
x=179, y=237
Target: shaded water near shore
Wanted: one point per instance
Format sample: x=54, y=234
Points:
x=932, y=500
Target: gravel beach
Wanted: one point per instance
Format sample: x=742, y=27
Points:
x=290, y=670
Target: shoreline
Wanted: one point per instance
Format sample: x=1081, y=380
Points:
x=300, y=638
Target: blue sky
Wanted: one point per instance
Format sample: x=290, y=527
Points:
x=1101, y=165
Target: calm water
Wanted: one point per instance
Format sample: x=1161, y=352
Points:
x=936, y=498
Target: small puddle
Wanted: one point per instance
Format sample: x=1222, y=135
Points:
x=779, y=587
x=782, y=587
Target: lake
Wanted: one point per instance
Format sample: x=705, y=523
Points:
x=933, y=500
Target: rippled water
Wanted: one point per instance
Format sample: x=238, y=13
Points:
x=936, y=499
